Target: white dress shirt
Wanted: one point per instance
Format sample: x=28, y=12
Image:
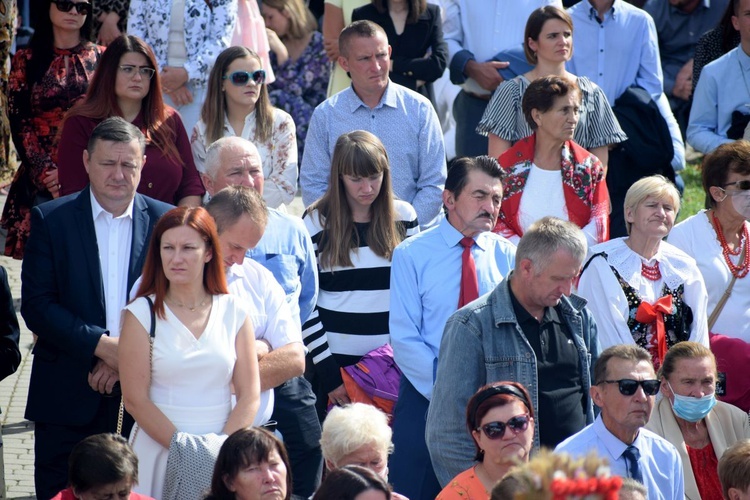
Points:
x=114, y=237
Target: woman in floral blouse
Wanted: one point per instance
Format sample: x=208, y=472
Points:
x=46, y=80
x=237, y=104
x=547, y=173
x=299, y=61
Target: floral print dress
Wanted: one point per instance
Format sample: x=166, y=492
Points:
x=36, y=112
x=301, y=85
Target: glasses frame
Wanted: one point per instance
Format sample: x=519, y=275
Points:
x=511, y=424
x=258, y=77
x=146, y=72
x=67, y=6
x=656, y=383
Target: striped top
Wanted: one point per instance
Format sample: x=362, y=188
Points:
x=597, y=125
x=351, y=317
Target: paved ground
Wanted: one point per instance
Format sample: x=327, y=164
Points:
x=18, y=433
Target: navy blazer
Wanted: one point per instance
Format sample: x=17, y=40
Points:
x=63, y=302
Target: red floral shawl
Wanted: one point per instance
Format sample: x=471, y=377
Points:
x=584, y=187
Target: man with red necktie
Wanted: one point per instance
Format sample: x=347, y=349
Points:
x=432, y=275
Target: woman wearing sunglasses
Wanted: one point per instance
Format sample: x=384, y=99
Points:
x=718, y=240
x=45, y=81
x=689, y=417
x=237, y=104
x=640, y=289
x=127, y=84
x=500, y=419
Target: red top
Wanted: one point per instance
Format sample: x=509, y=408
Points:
x=67, y=494
x=704, y=463
x=584, y=187
x=162, y=178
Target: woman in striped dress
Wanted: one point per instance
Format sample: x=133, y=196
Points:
x=354, y=227
x=548, y=45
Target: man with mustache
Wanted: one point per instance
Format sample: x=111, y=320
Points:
x=624, y=388
x=432, y=276
x=529, y=329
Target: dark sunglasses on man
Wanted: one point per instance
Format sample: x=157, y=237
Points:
x=628, y=386
x=240, y=78
x=82, y=8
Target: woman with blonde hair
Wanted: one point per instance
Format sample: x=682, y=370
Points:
x=689, y=416
x=354, y=228
x=298, y=59
x=641, y=289
x=237, y=104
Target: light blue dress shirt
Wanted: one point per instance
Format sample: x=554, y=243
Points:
x=723, y=88
x=425, y=282
x=287, y=251
x=407, y=125
x=660, y=462
x=480, y=30
x=620, y=52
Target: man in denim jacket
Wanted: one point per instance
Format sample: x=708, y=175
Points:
x=529, y=329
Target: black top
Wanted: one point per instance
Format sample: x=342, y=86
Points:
x=419, y=53
x=561, y=410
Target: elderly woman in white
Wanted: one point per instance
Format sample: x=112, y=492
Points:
x=641, y=289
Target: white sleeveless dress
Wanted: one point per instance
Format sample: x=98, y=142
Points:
x=190, y=380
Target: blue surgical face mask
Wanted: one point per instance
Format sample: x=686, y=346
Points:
x=692, y=409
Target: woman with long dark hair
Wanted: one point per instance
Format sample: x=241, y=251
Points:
x=179, y=388
x=237, y=103
x=354, y=228
x=127, y=84
x=46, y=79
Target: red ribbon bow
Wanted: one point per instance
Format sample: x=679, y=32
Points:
x=650, y=313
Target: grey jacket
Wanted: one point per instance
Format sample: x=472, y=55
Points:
x=483, y=343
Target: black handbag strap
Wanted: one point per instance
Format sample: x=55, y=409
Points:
x=152, y=331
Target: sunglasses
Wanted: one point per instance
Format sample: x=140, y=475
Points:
x=240, y=78
x=743, y=185
x=628, y=386
x=496, y=430
x=66, y=5
x=144, y=71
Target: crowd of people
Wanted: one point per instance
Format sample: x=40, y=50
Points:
x=491, y=249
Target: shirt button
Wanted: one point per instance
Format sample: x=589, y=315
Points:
x=150, y=185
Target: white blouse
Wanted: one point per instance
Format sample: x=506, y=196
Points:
x=607, y=300
x=278, y=154
x=696, y=236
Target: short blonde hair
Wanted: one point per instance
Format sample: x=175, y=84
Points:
x=346, y=429
x=734, y=467
x=656, y=186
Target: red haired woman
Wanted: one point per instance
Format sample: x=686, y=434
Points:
x=129, y=67
x=180, y=387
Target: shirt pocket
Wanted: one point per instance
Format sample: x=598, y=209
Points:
x=285, y=269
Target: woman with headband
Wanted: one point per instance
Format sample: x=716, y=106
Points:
x=500, y=419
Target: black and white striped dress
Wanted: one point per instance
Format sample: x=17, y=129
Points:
x=351, y=316
x=597, y=125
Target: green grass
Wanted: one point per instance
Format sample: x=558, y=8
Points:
x=693, y=198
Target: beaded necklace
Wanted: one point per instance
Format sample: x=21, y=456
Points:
x=651, y=273
x=741, y=270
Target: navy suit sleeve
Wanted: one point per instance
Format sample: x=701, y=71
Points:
x=47, y=291
x=10, y=355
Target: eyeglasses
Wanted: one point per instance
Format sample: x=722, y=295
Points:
x=65, y=5
x=743, y=185
x=628, y=386
x=240, y=78
x=496, y=430
x=144, y=71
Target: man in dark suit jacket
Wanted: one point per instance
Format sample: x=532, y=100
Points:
x=83, y=255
